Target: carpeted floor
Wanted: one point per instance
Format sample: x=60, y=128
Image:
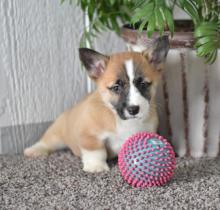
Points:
x=57, y=182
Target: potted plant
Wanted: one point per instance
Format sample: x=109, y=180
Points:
x=157, y=16
x=188, y=94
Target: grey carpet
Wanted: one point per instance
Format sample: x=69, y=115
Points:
x=57, y=182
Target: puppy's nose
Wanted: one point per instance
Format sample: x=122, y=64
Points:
x=133, y=110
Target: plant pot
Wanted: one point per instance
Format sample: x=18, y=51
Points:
x=189, y=93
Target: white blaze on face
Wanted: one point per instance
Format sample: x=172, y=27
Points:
x=133, y=93
x=135, y=98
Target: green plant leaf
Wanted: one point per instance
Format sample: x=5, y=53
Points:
x=142, y=13
x=204, y=40
x=143, y=24
x=207, y=36
x=140, y=3
x=206, y=29
x=159, y=3
x=151, y=26
x=210, y=59
x=159, y=20
x=201, y=33
x=191, y=9
x=169, y=19
x=206, y=48
x=91, y=10
x=112, y=2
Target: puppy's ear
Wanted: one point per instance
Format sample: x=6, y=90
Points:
x=156, y=55
x=94, y=62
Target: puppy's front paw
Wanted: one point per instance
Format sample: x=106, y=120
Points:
x=96, y=167
x=181, y=152
x=196, y=154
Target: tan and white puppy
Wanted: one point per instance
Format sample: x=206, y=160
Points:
x=122, y=105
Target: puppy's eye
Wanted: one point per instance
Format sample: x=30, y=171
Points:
x=115, y=88
x=145, y=84
x=141, y=83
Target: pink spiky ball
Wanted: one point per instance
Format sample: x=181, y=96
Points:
x=146, y=160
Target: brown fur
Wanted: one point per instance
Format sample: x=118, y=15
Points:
x=79, y=126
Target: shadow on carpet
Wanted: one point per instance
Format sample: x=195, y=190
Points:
x=58, y=182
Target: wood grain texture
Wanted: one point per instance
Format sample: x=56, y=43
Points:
x=196, y=103
x=161, y=110
x=40, y=72
x=173, y=76
x=213, y=140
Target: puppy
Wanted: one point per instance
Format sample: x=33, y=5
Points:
x=123, y=104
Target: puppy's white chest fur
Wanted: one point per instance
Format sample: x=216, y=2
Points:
x=125, y=129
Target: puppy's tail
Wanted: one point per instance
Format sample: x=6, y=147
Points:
x=51, y=141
